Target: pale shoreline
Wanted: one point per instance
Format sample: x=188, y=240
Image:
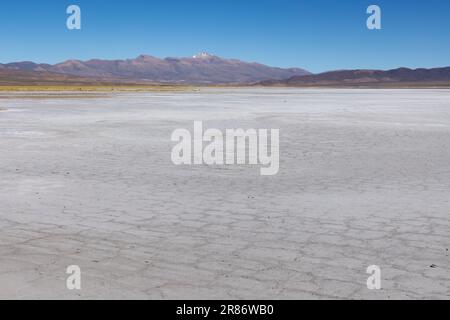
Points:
x=123, y=88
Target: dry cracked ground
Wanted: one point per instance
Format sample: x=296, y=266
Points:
x=88, y=181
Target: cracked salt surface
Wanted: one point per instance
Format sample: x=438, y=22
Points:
x=364, y=180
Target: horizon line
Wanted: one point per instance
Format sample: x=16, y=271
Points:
x=221, y=57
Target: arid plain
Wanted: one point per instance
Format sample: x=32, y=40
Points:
x=87, y=179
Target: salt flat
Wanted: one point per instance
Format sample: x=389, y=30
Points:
x=364, y=180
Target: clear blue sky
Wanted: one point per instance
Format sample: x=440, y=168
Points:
x=318, y=35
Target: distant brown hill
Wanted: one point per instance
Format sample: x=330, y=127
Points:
x=400, y=76
x=27, y=78
x=200, y=69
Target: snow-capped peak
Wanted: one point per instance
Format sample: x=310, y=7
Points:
x=203, y=55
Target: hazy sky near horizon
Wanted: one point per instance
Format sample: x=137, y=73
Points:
x=317, y=35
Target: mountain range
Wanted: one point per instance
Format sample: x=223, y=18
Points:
x=394, y=77
x=203, y=68
x=207, y=69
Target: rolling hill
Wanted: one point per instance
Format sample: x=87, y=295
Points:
x=394, y=77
